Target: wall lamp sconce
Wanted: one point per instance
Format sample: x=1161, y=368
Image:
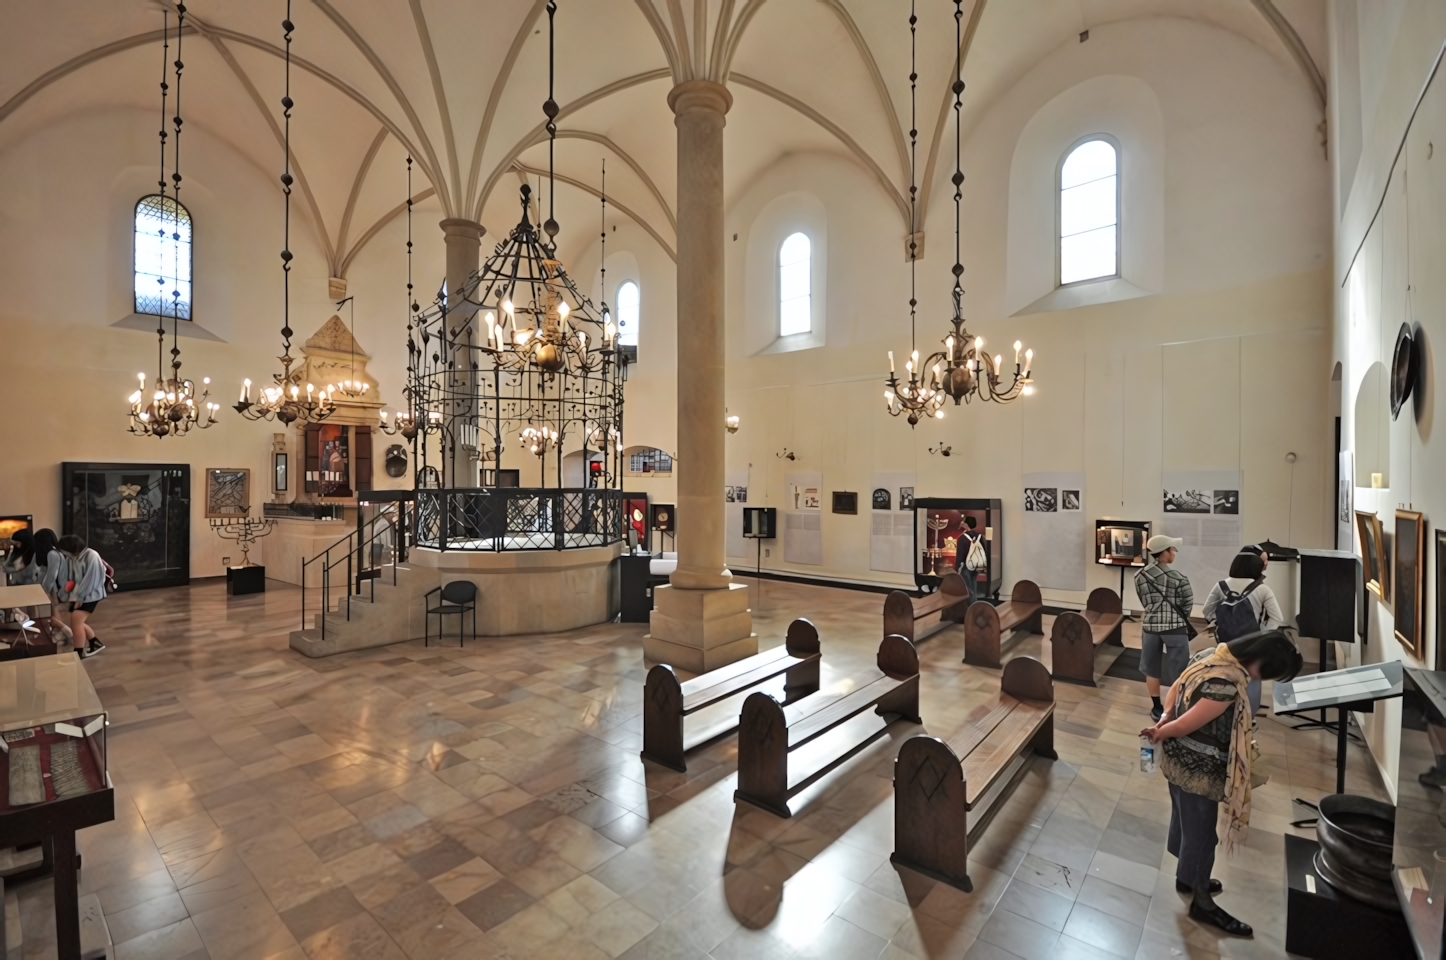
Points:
x=787, y=454
x=942, y=450
x=730, y=421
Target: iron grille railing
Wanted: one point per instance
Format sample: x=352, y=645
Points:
x=518, y=518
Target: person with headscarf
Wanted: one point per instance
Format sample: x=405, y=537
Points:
x=1207, y=754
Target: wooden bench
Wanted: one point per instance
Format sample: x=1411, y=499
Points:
x=768, y=732
x=940, y=787
x=985, y=624
x=666, y=701
x=1075, y=636
x=901, y=611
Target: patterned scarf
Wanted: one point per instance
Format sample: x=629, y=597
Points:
x=1222, y=665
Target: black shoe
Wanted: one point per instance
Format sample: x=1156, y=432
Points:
x=86, y=652
x=92, y=648
x=1219, y=918
x=1435, y=777
x=1215, y=887
x=1156, y=713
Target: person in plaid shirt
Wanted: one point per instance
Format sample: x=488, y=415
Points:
x=1167, y=598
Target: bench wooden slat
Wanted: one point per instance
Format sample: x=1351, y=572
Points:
x=1075, y=636
x=1013, y=613
x=931, y=808
x=985, y=623
x=710, y=687
x=844, y=708
x=902, y=611
x=769, y=733
x=666, y=701
x=990, y=759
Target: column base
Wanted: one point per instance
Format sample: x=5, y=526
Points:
x=700, y=630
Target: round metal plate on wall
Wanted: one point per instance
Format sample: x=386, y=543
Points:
x=396, y=460
x=1403, y=370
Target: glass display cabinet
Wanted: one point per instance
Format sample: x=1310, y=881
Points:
x=54, y=779
x=136, y=515
x=1418, y=853
x=948, y=531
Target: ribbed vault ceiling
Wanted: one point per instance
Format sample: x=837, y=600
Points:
x=459, y=84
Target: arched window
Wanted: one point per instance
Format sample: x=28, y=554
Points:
x=163, y=257
x=630, y=305
x=1089, y=212
x=795, y=305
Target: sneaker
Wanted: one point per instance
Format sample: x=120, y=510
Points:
x=86, y=653
x=1156, y=713
x=94, y=647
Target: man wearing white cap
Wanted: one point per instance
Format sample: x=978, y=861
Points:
x=1167, y=598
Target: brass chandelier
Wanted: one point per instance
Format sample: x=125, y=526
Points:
x=172, y=408
x=282, y=400
x=963, y=369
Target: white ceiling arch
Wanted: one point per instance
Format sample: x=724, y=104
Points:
x=433, y=76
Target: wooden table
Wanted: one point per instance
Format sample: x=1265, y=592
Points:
x=25, y=595
x=35, y=692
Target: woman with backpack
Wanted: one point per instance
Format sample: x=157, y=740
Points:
x=1243, y=604
x=83, y=589
x=1207, y=756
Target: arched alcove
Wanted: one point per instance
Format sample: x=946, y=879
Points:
x=1373, y=428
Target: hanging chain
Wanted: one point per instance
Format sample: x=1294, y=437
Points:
x=286, y=103
x=161, y=185
x=176, y=197
x=913, y=168
x=603, y=195
x=550, y=109
x=958, y=178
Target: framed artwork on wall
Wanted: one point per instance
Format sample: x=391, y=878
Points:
x=1373, y=557
x=1410, y=578
x=845, y=502
x=228, y=492
x=1440, y=598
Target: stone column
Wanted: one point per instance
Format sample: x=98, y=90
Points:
x=463, y=240
x=700, y=621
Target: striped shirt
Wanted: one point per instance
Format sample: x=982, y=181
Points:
x=1164, y=592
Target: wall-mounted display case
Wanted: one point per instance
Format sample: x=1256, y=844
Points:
x=135, y=515
x=946, y=531
x=1121, y=543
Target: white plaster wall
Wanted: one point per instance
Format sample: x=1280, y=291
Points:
x=1227, y=367
x=65, y=231
x=1387, y=272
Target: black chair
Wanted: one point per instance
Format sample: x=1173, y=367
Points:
x=457, y=597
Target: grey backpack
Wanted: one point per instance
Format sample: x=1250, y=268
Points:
x=1235, y=616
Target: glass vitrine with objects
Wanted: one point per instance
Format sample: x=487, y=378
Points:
x=959, y=535
x=1418, y=856
x=52, y=734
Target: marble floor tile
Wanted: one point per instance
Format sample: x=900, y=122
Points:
x=488, y=802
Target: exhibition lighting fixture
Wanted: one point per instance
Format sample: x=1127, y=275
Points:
x=730, y=421
x=968, y=370
x=533, y=313
x=406, y=422
x=921, y=394
x=282, y=401
x=171, y=408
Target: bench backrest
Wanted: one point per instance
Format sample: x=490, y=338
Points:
x=802, y=638
x=898, y=658
x=1104, y=600
x=1027, y=679
x=1026, y=591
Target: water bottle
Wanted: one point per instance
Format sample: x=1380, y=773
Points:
x=1147, y=756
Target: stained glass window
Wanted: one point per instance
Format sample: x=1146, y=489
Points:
x=163, y=258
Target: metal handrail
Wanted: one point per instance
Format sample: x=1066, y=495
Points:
x=360, y=557
x=501, y=519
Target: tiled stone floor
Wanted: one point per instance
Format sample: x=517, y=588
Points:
x=489, y=802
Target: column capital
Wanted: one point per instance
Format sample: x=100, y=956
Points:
x=458, y=227
x=700, y=95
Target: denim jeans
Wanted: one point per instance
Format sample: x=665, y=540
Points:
x=1192, y=836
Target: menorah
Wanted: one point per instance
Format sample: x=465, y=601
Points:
x=244, y=530
x=932, y=553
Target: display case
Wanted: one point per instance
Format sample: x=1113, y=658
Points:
x=1418, y=855
x=946, y=530
x=52, y=733
x=136, y=515
x=1121, y=543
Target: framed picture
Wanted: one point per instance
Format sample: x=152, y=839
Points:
x=1070, y=501
x=664, y=517
x=845, y=502
x=906, y=498
x=1410, y=563
x=9, y=526
x=228, y=492
x=1373, y=559
x=1440, y=598
x=280, y=482
x=1041, y=499
x=883, y=500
